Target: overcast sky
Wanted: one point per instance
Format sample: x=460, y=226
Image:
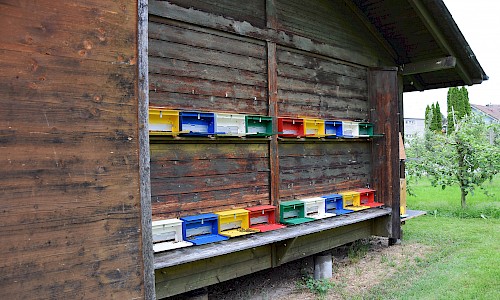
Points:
x=480, y=24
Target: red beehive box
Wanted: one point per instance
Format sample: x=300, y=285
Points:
x=263, y=218
x=367, y=197
x=290, y=127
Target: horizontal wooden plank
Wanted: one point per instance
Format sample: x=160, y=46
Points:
x=208, y=151
x=101, y=34
x=319, y=76
x=191, y=254
x=252, y=12
x=168, y=10
x=185, y=85
x=322, y=241
x=169, y=186
x=190, y=168
x=313, y=61
x=181, y=278
x=182, y=33
x=184, y=52
x=174, y=67
x=208, y=103
x=321, y=106
x=333, y=89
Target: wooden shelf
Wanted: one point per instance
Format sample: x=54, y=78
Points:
x=195, y=253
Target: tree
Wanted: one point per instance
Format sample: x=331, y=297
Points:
x=458, y=105
x=437, y=118
x=464, y=157
x=427, y=112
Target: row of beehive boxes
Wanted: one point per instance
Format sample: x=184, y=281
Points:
x=173, y=122
x=214, y=227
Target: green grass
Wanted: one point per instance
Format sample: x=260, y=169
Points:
x=465, y=260
x=446, y=202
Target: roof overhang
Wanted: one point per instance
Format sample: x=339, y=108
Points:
x=424, y=41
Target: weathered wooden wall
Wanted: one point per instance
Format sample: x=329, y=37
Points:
x=191, y=178
x=70, y=224
x=216, y=56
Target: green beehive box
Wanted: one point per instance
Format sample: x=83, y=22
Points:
x=293, y=213
x=365, y=129
x=259, y=126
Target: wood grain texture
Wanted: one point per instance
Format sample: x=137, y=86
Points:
x=69, y=190
x=315, y=169
x=384, y=100
x=188, y=179
x=196, y=68
x=319, y=87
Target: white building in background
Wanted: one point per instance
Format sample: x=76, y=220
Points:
x=414, y=127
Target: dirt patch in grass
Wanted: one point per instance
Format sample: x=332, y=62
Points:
x=357, y=268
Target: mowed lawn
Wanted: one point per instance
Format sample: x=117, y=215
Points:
x=465, y=260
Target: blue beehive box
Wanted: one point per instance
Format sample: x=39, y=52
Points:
x=195, y=123
x=335, y=204
x=333, y=129
x=201, y=229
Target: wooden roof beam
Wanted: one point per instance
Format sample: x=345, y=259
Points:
x=373, y=30
x=429, y=65
x=440, y=38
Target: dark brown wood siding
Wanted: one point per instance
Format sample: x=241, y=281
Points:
x=316, y=86
x=315, y=169
x=253, y=12
x=69, y=184
x=328, y=21
x=192, y=178
x=195, y=68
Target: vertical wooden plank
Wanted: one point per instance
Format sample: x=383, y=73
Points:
x=272, y=82
x=384, y=103
x=273, y=111
x=144, y=154
x=402, y=166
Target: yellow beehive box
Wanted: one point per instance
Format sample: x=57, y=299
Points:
x=234, y=222
x=352, y=200
x=314, y=127
x=163, y=121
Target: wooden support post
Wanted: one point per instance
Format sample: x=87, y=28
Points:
x=273, y=112
x=144, y=154
x=272, y=83
x=384, y=104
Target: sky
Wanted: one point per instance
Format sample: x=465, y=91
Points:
x=480, y=24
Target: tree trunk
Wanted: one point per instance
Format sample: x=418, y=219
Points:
x=463, y=194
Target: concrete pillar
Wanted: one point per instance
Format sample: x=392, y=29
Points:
x=323, y=266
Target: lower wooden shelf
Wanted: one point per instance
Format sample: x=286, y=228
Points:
x=181, y=270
